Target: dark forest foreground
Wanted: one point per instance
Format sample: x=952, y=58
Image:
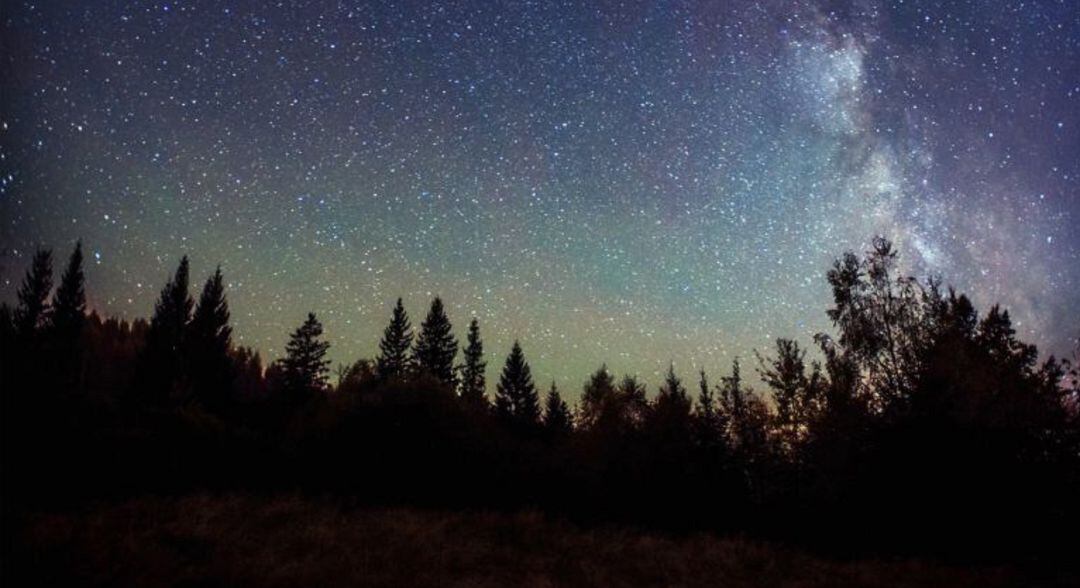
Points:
x=240, y=540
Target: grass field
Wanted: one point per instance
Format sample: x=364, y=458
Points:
x=289, y=541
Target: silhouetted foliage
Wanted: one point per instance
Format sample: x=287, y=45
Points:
x=161, y=366
x=32, y=313
x=208, y=343
x=472, y=371
x=920, y=423
x=558, y=423
x=305, y=366
x=394, y=347
x=436, y=346
x=516, y=400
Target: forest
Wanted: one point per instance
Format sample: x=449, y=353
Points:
x=922, y=425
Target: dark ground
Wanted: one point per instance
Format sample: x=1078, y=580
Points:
x=240, y=540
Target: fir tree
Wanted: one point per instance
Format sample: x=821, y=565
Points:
x=306, y=368
x=69, y=303
x=516, y=400
x=209, y=341
x=394, y=347
x=68, y=318
x=671, y=412
x=161, y=366
x=472, y=371
x=557, y=420
x=32, y=312
x=436, y=346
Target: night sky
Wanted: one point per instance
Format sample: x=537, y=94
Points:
x=629, y=182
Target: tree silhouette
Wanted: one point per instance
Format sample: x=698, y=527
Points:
x=162, y=363
x=436, y=346
x=32, y=312
x=557, y=420
x=394, y=346
x=69, y=302
x=306, y=368
x=209, y=342
x=68, y=318
x=670, y=416
x=472, y=371
x=516, y=400
x=796, y=396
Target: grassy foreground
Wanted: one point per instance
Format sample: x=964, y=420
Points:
x=289, y=541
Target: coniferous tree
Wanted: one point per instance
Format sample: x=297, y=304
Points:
x=671, y=412
x=557, y=420
x=306, y=368
x=161, y=366
x=69, y=303
x=436, y=346
x=394, y=347
x=32, y=312
x=599, y=399
x=68, y=317
x=710, y=424
x=472, y=371
x=209, y=342
x=516, y=400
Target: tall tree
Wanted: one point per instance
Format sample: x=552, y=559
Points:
x=161, y=367
x=472, y=371
x=32, y=312
x=68, y=318
x=69, y=303
x=557, y=420
x=516, y=400
x=209, y=342
x=306, y=368
x=796, y=396
x=671, y=412
x=436, y=346
x=394, y=347
x=599, y=399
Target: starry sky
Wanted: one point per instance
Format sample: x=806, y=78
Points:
x=622, y=182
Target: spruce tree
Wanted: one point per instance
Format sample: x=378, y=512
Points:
x=557, y=420
x=672, y=408
x=161, y=366
x=516, y=400
x=305, y=365
x=436, y=346
x=69, y=303
x=472, y=371
x=394, y=347
x=68, y=317
x=32, y=312
x=209, y=340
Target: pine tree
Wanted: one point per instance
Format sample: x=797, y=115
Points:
x=599, y=400
x=305, y=364
x=436, y=346
x=394, y=347
x=516, y=400
x=209, y=341
x=557, y=420
x=161, y=367
x=68, y=318
x=472, y=371
x=69, y=303
x=671, y=411
x=32, y=312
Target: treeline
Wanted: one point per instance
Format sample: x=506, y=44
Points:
x=924, y=424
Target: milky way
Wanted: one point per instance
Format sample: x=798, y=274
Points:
x=630, y=183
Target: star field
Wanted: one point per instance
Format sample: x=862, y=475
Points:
x=620, y=182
